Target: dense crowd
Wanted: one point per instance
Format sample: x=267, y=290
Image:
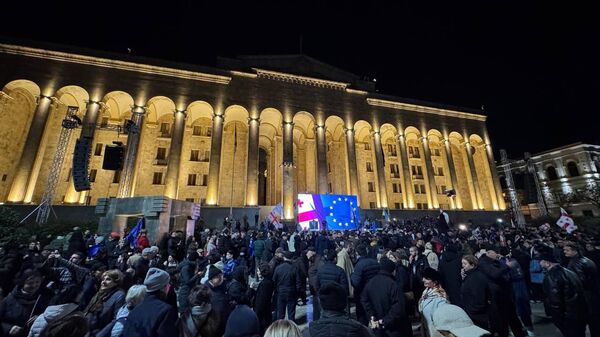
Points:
x=421, y=276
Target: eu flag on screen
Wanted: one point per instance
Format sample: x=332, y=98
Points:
x=135, y=231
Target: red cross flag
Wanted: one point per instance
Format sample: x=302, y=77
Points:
x=566, y=222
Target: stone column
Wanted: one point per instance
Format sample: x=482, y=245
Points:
x=321, y=159
x=212, y=190
x=133, y=142
x=351, y=154
x=252, y=173
x=450, y=160
x=407, y=188
x=173, y=168
x=87, y=131
x=24, y=169
x=383, y=201
x=433, y=200
x=496, y=179
x=288, y=194
x=477, y=196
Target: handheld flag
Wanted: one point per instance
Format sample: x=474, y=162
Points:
x=135, y=231
x=93, y=250
x=566, y=222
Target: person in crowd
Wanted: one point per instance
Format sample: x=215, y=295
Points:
x=104, y=306
x=587, y=272
x=188, y=277
x=565, y=299
x=200, y=319
x=330, y=272
x=384, y=303
x=70, y=326
x=22, y=306
x=345, y=262
x=242, y=321
x=451, y=320
x=432, y=298
x=283, y=328
x=334, y=320
x=220, y=300
x=135, y=295
x=287, y=284
x=450, y=272
x=520, y=293
x=365, y=269
x=263, y=300
x=475, y=293
x=142, y=241
x=432, y=258
x=503, y=305
x=277, y=259
x=259, y=248
x=154, y=317
x=417, y=263
x=62, y=304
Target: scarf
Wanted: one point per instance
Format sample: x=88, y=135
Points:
x=196, y=319
x=98, y=300
x=430, y=294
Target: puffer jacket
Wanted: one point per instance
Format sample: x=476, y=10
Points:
x=364, y=270
x=564, y=295
x=336, y=324
x=17, y=308
x=52, y=313
x=259, y=248
x=330, y=272
x=432, y=258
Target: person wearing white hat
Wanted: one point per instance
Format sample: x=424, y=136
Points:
x=451, y=320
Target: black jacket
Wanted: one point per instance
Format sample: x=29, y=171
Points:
x=416, y=269
x=336, y=324
x=364, y=270
x=475, y=295
x=263, y=303
x=330, y=272
x=151, y=318
x=449, y=268
x=587, y=272
x=287, y=278
x=382, y=299
x=564, y=295
x=17, y=308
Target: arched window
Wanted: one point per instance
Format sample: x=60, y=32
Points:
x=572, y=168
x=551, y=173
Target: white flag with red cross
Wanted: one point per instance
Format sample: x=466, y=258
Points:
x=566, y=222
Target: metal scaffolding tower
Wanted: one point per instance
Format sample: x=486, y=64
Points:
x=512, y=191
x=541, y=202
x=70, y=122
x=133, y=130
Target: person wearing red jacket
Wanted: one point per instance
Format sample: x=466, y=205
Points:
x=142, y=241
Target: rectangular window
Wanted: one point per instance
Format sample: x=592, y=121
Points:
x=189, y=199
x=194, y=155
x=206, y=157
x=372, y=205
x=116, y=177
x=157, y=178
x=330, y=188
x=416, y=188
x=391, y=150
x=371, y=186
x=442, y=189
x=197, y=130
x=191, y=180
x=161, y=153
x=397, y=205
x=367, y=146
x=98, y=150
x=397, y=188
x=329, y=167
x=436, y=152
x=204, y=180
x=93, y=175
x=4, y=176
x=165, y=129
x=208, y=131
x=394, y=171
x=440, y=171
x=419, y=205
x=413, y=152
x=369, y=167
x=422, y=187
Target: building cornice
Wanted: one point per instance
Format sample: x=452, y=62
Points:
x=424, y=109
x=113, y=64
x=304, y=80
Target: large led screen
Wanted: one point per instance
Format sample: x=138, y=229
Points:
x=339, y=211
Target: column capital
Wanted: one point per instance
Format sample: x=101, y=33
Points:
x=216, y=115
x=446, y=140
x=317, y=127
x=375, y=132
x=136, y=109
x=184, y=112
x=253, y=119
x=348, y=130
x=288, y=123
x=399, y=136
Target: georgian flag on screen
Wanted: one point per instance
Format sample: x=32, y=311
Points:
x=566, y=222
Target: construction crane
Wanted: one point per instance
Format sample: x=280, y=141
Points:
x=512, y=191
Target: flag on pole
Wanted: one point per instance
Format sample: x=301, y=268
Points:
x=386, y=215
x=275, y=215
x=566, y=222
x=93, y=250
x=135, y=231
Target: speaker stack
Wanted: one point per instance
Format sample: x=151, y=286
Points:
x=81, y=162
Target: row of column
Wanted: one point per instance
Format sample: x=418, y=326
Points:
x=24, y=180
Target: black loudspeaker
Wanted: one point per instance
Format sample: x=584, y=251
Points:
x=81, y=161
x=530, y=189
x=113, y=158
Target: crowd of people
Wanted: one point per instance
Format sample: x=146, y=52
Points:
x=418, y=277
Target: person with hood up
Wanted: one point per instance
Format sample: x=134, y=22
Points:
x=61, y=305
x=22, y=306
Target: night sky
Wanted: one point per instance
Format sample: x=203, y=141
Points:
x=533, y=68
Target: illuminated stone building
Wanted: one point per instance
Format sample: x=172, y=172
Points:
x=560, y=171
x=252, y=131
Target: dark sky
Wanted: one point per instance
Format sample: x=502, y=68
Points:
x=532, y=66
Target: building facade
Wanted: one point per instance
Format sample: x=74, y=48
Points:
x=558, y=172
x=253, y=131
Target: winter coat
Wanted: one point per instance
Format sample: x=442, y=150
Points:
x=17, y=308
x=220, y=301
x=287, y=278
x=187, y=280
x=52, y=313
x=416, y=269
x=364, y=270
x=382, y=299
x=329, y=272
x=119, y=323
x=449, y=268
x=587, y=272
x=151, y=318
x=263, y=303
x=322, y=243
x=432, y=258
x=100, y=318
x=9, y=266
x=204, y=324
x=476, y=296
x=536, y=273
x=344, y=262
x=142, y=242
x=564, y=295
x=336, y=324
x=229, y=266
x=430, y=302
x=259, y=248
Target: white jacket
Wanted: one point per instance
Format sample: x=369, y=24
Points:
x=432, y=258
x=52, y=313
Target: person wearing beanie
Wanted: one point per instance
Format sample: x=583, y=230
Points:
x=334, y=319
x=154, y=317
x=188, y=278
x=384, y=302
x=565, y=301
x=242, y=322
x=220, y=300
